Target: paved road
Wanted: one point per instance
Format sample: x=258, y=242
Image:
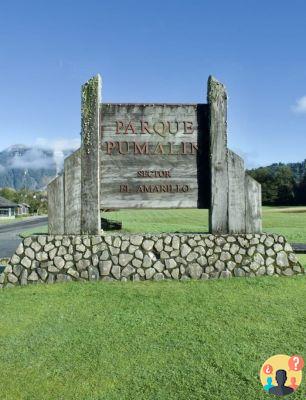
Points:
x=9, y=238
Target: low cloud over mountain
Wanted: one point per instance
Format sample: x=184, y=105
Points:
x=33, y=167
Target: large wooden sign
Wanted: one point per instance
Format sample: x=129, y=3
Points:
x=152, y=154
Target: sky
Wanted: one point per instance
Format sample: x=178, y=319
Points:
x=156, y=51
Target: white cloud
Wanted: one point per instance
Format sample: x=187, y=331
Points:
x=300, y=106
x=59, y=147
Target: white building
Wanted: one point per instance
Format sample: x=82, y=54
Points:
x=7, y=208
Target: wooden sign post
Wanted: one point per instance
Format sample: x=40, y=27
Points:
x=154, y=156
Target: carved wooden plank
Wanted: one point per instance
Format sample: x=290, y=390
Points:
x=163, y=146
x=217, y=100
x=90, y=157
x=236, y=193
x=253, y=205
x=56, y=211
x=72, y=168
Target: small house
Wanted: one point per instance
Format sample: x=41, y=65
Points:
x=7, y=208
x=23, y=209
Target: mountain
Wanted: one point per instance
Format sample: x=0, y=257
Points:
x=30, y=167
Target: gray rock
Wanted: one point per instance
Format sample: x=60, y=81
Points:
x=239, y=272
x=269, y=241
x=234, y=248
x=124, y=259
x=104, y=255
x=81, y=248
x=139, y=254
x=204, y=276
x=132, y=249
x=238, y=258
x=170, y=263
x=117, y=242
x=297, y=268
x=230, y=265
x=277, y=247
x=259, y=259
x=114, y=250
x=96, y=240
x=159, y=246
x=150, y=273
x=93, y=273
x=269, y=261
x=175, y=242
x=219, y=265
x=115, y=260
x=192, y=256
x=48, y=247
x=20, y=249
x=29, y=253
x=82, y=264
x=51, y=279
x=17, y=269
x=158, y=276
x=225, y=274
x=59, y=262
x=73, y=273
x=251, y=251
x=84, y=274
x=62, y=250
x=163, y=255
x=202, y=261
x=127, y=271
x=168, y=239
x=42, y=240
x=288, y=272
x=125, y=244
x=12, y=278
x=24, y=277
x=52, y=268
x=293, y=258
x=158, y=266
x=43, y=274
x=282, y=259
x=194, y=270
x=261, y=249
x=225, y=256
x=77, y=256
x=261, y=271
x=15, y=259
x=254, y=240
x=254, y=266
x=105, y=267
x=36, y=246
x=26, y=262
x=52, y=253
x=136, y=263
x=27, y=241
x=147, y=262
x=136, y=240
x=33, y=277
x=185, y=278
x=116, y=271
x=209, y=243
x=175, y=273
x=95, y=260
x=270, y=270
x=185, y=250
x=148, y=245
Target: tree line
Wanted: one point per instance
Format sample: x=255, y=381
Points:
x=37, y=200
x=282, y=184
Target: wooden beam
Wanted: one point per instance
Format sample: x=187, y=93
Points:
x=72, y=168
x=253, y=205
x=56, y=211
x=217, y=101
x=90, y=157
x=236, y=194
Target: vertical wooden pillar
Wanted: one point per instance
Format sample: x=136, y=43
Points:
x=236, y=194
x=56, y=206
x=217, y=101
x=72, y=174
x=253, y=205
x=90, y=157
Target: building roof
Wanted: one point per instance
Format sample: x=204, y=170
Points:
x=6, y=203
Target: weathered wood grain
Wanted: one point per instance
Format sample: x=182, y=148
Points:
x=217, y=101
x=236, y=193
x=90, y=157
x=121, y=169
x=56, y=206
x=253, y=205
x=72, y=175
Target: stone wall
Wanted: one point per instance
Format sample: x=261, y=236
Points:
x=51, y=259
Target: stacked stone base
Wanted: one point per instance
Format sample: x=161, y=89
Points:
x=49, y=259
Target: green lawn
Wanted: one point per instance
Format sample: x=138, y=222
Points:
x=148, y=340
x=289, y=221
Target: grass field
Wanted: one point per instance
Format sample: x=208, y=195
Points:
x=287, y=221
x=153, y=340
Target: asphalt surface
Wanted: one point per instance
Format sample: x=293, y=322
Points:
x=9, y=238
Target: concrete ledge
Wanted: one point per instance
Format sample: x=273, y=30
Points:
x=48, y=258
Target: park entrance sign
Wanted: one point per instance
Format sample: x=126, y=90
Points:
x=151, y=155
x=154, y=156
